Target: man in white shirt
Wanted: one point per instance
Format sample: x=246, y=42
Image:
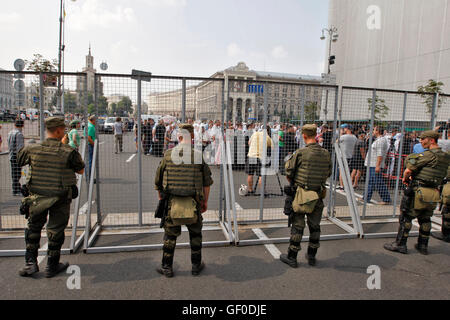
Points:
x=347, y=142
x=118, y=135
x=256, y=156
x=376, y=162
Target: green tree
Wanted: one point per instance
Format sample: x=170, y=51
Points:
x=102, y=104
x=428, y=92
x=381, y=109
x=40, y=64
x=124, y=107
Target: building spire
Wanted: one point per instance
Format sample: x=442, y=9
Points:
x=89, y=48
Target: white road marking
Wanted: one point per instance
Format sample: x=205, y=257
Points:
x=342, y=192
x=131, y=158
x=41, y=258
x=270, y=247
x=238, y=207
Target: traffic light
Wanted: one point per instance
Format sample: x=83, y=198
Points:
x=331, y=60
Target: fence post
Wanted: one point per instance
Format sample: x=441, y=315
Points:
x=400, y=154
x=139, y=89
x=97, y=162
x=41, y=107
x=372, y=118
x=330, y=207
x=264, y=156
x=221, y=198
x=183, y=101
x=302, y=112
x=434, y=110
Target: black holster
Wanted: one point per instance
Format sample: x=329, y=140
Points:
x=289, y=191
x=407, y=200
x=162, y=209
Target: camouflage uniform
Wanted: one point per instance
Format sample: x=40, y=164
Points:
x=50, y=184
x=445, y=234
x=428, y=171
x=309, y=169
x=182, y=180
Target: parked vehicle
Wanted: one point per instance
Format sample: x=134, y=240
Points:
x=109, y=125
x=101, y=125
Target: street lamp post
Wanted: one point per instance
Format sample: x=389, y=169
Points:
x=333, y=36
x=61, y=48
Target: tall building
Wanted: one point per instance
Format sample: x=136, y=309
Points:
x=204, y=100
x=90, y=71
x=6, y=91
x=398, y=44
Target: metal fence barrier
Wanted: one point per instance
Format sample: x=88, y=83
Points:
x=38, y=87
x=125, y=215
x=116, y=210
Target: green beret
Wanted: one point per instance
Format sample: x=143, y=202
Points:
x=309, y=129
x=430, y=134
x=188, y=127
x=54, y=122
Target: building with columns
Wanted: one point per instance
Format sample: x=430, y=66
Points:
x=6, y=91
x=204, y=100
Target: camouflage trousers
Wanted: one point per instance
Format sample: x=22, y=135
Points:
x=58, y=218
x=171, y=234
x=408, y=215
x=298, y=225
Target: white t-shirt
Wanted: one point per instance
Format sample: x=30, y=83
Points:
x=118, y=128
x=379, y=149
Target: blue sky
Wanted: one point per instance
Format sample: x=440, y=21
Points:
x=170, y=37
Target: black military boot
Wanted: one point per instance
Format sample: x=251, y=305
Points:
x=54, y=266
x=422, y=245
x=31, y=266
x=166, y=267
x=197, y=263
x=290, y=258
x=399, y=245
x=311, y=256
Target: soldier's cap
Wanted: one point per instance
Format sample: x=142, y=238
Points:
x=429, y=134
x=188, y=127
x=54, y=122
x=309, y=129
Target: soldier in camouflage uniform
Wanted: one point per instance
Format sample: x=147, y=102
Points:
x=307, y=168
x=445, y=234
x=426, y=172
x=52, y=185
x=191, y=178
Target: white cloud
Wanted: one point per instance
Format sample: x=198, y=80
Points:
x=12, y=17
x=94, y=13
x=234, y=50
x=279, y=52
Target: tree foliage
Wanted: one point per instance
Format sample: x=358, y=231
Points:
x=381, y=109
x=427, y=93
x=40, y=64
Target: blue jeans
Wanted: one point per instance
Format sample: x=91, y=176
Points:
x=376, y=182
x=90, y=155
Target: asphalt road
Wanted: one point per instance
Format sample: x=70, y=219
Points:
x=237, y=273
